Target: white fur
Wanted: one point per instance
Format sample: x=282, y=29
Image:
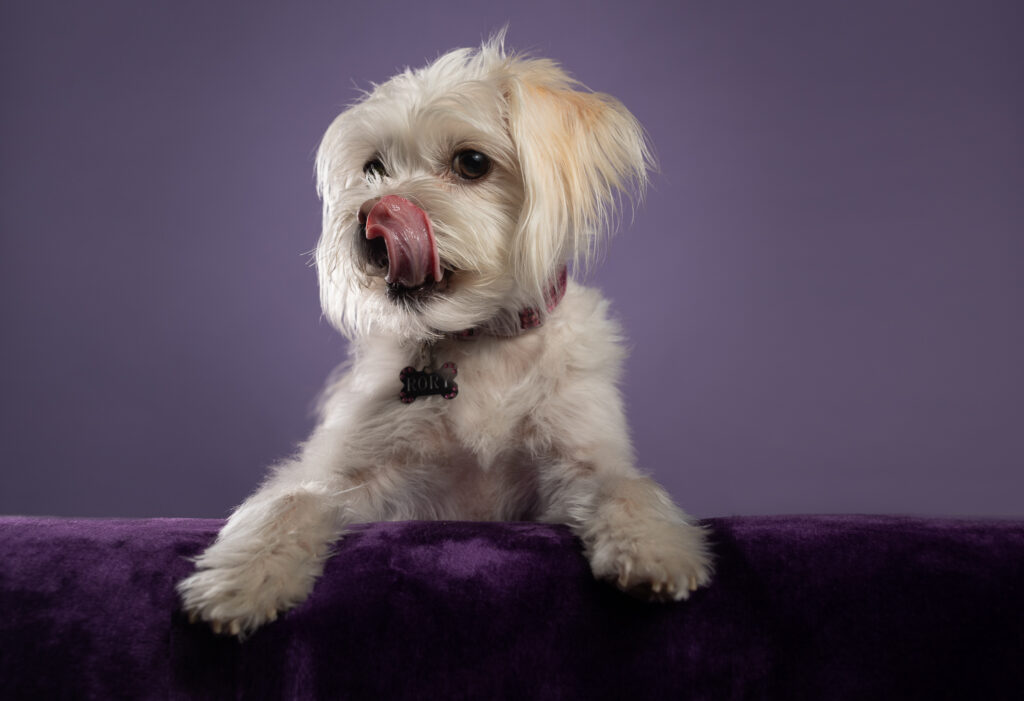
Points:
x=537, y=431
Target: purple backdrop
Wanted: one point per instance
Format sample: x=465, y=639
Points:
x=824, y=289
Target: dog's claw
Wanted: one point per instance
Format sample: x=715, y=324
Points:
x=192, y=617
x=624, y=575
x=271, y=615
x=234, y=628
x=217, y=626
x=693, y=583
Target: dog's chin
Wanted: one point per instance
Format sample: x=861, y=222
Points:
x=420, y=295
x=453, y=305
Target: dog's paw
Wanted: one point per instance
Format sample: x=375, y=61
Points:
x=658, y=561
x=238, y=599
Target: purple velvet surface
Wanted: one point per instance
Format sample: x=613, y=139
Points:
x=807, y=607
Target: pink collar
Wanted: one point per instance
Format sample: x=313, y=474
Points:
x=529, y=318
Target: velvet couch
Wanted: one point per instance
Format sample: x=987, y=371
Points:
x=827, y=607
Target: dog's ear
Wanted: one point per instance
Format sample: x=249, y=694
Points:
x=579, y=151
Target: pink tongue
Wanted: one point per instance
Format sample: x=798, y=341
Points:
x=412, y=253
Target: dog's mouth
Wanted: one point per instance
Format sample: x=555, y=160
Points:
x=397, y=243
x=401, y=294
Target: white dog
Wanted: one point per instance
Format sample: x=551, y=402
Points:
x=482, y=382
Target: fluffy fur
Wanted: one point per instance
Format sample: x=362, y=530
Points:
x=537, y=431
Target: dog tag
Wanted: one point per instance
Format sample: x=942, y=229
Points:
x=422, y=383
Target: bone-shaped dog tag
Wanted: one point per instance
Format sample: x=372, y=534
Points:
x=421, y=383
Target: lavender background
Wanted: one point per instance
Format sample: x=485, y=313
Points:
x=824, y=289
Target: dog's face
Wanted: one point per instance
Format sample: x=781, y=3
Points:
x=454, y=194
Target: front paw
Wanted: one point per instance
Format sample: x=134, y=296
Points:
x=237, y=599
x=655, y=560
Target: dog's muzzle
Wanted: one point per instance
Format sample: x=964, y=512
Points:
x=410, y=251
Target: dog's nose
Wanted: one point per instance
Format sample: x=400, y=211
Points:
x=364, y=209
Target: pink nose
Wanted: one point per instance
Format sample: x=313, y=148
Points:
x=364, y=209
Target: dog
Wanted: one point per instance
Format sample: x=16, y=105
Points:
x=482, y=378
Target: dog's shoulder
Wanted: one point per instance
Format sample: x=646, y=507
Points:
x=584, y=331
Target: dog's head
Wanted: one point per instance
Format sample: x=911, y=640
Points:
x=454, y=194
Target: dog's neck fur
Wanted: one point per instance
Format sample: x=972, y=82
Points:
x=528, y=318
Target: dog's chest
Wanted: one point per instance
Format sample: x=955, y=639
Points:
x=500, y=388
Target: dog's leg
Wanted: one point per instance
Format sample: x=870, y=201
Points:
x=268, y=555
x=638, y=539
x=633, y=534
x=272, y=549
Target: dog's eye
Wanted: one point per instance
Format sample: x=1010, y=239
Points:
x=375, y=169
x=470, y=164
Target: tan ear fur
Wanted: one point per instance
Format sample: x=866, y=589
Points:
x=578, y=151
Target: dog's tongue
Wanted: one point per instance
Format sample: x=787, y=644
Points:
x=412, y=252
